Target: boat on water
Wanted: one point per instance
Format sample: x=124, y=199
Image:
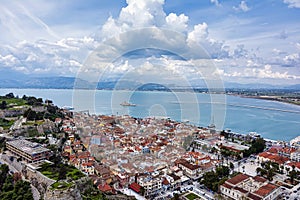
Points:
x=254, y=134
x=125, y=103
x=67, y=108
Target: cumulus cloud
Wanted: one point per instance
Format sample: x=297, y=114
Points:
x=177, y=23
x=292, y=59
x=145, y=24
x=292, y=3
x=216, y=2
x=242, y=7
x=264, y=72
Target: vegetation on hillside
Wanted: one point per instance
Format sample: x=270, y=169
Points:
x=60, y=171
x=12, y=187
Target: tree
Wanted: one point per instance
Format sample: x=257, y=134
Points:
x=231, y=165
x=10, y=95
x=257, y=146
x=293, y=175
x=3, y=105
x=225, y=134
x=287, y=170
x=258, y=170
x=62, y=174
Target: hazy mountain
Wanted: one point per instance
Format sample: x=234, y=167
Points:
x=12, y=79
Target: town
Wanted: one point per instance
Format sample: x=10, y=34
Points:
x=57, y=153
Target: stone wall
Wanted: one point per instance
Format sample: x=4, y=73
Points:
x=38, y=176
x=69, y=194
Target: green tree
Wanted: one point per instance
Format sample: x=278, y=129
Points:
x=293, y=175
x=231, y=165
x=3, y=105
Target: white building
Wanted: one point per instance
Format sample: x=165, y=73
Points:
x=151, y=184
x=295, y=156
x=243, y=186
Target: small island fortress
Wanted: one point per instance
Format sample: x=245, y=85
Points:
x=125, y=103
x=123, y=157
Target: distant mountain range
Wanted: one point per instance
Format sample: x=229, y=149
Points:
x=59, y=82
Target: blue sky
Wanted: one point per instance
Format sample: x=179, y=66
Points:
x=248, y=41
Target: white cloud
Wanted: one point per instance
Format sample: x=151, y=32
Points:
x=8, y=60
x=264, y=72
x=292, y=59
x=177, y=23
x=67, y=55
x=292, y=3
x=198, y=34
x=242, y=7
x=216, y=2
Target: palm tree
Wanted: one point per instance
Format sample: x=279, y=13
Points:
x=243, y=167
x=231, y=165
x=287, y=170
x=239, y=163
x=258, y=171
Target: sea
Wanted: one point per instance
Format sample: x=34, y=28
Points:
x=271, y=119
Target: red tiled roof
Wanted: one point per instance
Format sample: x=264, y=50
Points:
x=265, y=190
x=88, y=164
x=104, y=188
x=276, y=158
x=237, y=179
x=227, y=186
x=135, y=187
x=254, y=196
x=165, y=182
x=241, y=190
x=273, y=150
x=296, y=164
x=259, y=179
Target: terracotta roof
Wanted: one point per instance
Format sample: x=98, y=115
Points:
x=174, y=177
x=165, y=182
x=265, y=190
x=274, y=157
x=227, y=186
x=259, y=179
x=135, y=187
x=273, y=150
x=254, y=196
x=187, y=164
x=104, y=188
x=237, y=179
x=296, y=164
x=241, y=190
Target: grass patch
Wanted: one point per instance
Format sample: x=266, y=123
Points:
x=192, y=196
x=15, y=101
x=33, y=132
x=6, y=124
x=61, y=185
x=33, y=123
x=60, y=171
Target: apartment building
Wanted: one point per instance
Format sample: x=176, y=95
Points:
x=28, y=151
x=151, y=184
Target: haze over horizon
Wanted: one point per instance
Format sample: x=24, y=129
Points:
x=247, y=41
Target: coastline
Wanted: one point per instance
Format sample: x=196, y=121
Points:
x=269, y=98
x=247, y=122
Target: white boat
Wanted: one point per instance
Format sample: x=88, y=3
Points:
x=67, y=108
x=125, y=103
x=254, y=134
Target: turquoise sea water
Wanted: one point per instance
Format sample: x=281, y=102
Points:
x=238, y=114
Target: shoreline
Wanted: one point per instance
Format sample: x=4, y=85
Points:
x=268, y=98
